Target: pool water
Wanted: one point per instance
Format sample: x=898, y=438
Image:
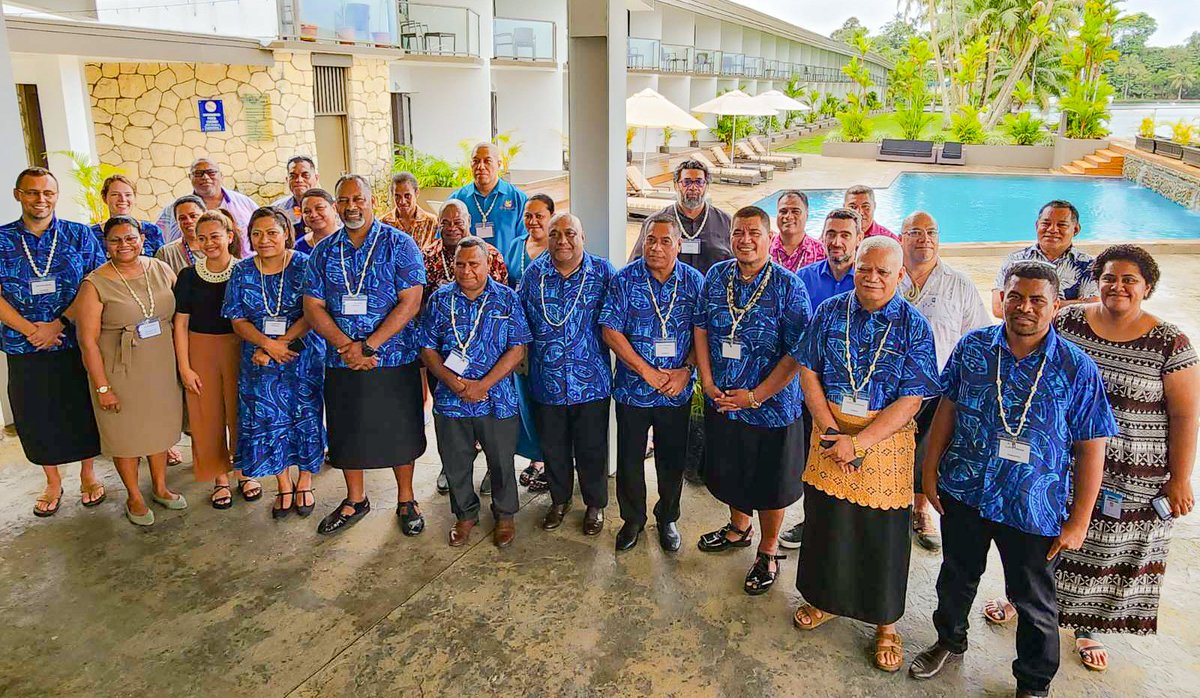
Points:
x=1003, y=208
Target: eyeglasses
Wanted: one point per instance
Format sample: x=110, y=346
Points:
x=688, y=182
x=38, y=193
x=201, y=174
x=919, y=233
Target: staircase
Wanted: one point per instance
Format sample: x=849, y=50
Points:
x=1102, y=163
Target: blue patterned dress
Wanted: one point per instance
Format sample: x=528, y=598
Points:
x=280, y=420
x=517, y=259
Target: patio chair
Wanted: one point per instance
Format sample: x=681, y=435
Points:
x=747, y=154
x=900, y=150
x=640, y=186
x=641, y=207
x=765, y=169
x=733, y=175
x=951, y=153
x=757, y=146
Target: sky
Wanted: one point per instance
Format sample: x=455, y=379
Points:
x=1176, y=18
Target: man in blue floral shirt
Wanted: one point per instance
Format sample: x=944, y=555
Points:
x=473, y=336
x=1019, y=433
x=647, y=320
x=1057, y=226
x=570, y=379
x=362, y=292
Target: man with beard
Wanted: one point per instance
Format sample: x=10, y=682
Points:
x=362, y=291
x=496, y=206
x=1057, y=226
x=1023, y=415
x=207, y=183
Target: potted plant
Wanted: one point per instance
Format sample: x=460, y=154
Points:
x=308, y=32
x=630, y=133
x=1144, y=140
x=667, y=132
x=1181, y=135
x=695, y=139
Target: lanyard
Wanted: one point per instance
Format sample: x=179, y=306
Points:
x=279, y=297
x=49, y=260
x=699, y=228
x=147, y=314
x=479, y=207
x=855, y=386
x=474, y=323
x=574, y=304
x=366, y=263
x=738, y=314
x=1028, y=401
x=662, y=319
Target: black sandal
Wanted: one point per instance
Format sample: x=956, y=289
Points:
x=336, y=520
x=716, y=541
x=301, y=509
x=281, y=511
x=760, y=579
x=242, y=489
x=222, y=502
x=540, y=483
x=411, y=520
x=528, y=474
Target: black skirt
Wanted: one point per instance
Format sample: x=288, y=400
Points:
x=753, y=468
x=374, y=418
x=854, y=560
x=52, y=407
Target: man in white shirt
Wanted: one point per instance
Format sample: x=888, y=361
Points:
x=950, y=302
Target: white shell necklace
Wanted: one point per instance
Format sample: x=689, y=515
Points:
x=212, y=277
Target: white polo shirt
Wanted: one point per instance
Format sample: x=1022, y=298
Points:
x=951, y=304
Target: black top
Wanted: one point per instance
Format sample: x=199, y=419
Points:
x=202, y=301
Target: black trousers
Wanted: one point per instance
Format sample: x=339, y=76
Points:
x=1028, y=581
x=456, y=438
x=924, y=420
x=670, y=426
x=575, y=437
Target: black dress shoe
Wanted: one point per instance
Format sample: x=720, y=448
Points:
x=627, y=537
x=411, y=521
x=694, y=476
x=930, y=662
x=668, y=537
x=593, y=521
x=554, y=517
x=336, y=520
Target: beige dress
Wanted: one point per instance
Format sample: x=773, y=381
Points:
x=174, y=255
x=141, y=372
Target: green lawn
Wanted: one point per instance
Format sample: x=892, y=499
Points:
x=882, y=126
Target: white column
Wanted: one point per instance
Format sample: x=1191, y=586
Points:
x=12, y=161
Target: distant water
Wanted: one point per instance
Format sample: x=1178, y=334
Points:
x=1126, y=118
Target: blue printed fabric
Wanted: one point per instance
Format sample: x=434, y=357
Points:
x=768, y=331
x=280, y=406
x=628, y=309
x=396, y=264
x=1069, y=406
x=568, y=363
x=1074, y=268
x=907, y=364
x=501, y=327
x=152, y=237
x=516, y=258
x=76, y=253
x=821, y=285
x=503, y=207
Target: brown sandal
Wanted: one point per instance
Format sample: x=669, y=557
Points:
x=95, y=491
x=888, y=642
x=47, y=500
x=999, y=611
x=1089, y=654
x=809, y=612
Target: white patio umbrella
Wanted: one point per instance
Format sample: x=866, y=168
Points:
x=648, y=109
x=779, y=102
x=735, y=103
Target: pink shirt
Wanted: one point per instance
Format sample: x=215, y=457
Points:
x=877, y=229
x=810, y=250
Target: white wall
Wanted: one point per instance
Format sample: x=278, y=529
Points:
x=66, y=117
x=249, y=18
x=12, y=148
x=450, y=103
x=708, y=33
x=529, y=104
x=678, y=26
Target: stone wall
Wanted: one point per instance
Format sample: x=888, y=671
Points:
x=370, y=116
x=1178, y=186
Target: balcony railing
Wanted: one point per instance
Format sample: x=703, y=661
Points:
x=415, y=27
x=707, y=61
x=733, y=64
x=676, y=58
x=642, y=54
x=753, y=67
x=524, y=39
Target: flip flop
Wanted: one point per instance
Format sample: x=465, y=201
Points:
x=44, y=499
x=1091, y=651
x=91, y=491
x=1007, y=612
x=807, y=611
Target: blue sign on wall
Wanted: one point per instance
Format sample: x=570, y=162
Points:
x=212, y=115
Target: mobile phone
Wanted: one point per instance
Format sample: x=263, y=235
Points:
x=1161, y=507
x=826, y=443
x=296, y=345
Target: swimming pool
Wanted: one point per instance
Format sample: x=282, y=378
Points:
x=1002, y=208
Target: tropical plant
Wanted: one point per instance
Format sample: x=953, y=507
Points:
x=90, y=178
x=1023, y=128
x=830, y=106
x=1146, y=128
x=796, y=89
x=1086, y=103
x=966, y=125
x=856, y=127
x=811, y=99
x=1180, y=80
x=724, y=130
x=630, y=134
x=667, y=133
x=1182, y=132
x=694, y=134
x=430, y=171
x=909, y=82
x=509, y=150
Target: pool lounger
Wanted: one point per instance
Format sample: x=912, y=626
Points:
x=734, y=175
x=951, y=153
x=765, y=169
x=898, y=150
x=642, y=207
x=757, y=146
x=747, y=154
x=639, y=186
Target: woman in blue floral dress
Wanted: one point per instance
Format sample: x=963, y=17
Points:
x=280, y=420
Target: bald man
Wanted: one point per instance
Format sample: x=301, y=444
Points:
x=208, y=184
x=496, y=206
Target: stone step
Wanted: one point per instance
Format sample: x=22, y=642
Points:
x=1097, y=159
x=1072, y=168
x=1109, y=153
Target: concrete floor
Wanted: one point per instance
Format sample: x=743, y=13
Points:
x=233, y=603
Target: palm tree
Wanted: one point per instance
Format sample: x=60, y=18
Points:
x=1180, y=80
x=1038, y=32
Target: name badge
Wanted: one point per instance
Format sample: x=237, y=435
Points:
x=731, y=350
x=690, y=247
x=354, y=304
x=149, y=328
x=44, y=286
x=1111, y=503
x=483, y=230
x=457, y=362
x=856, y=406
x=275, y=326
x=664, y=349
x=1014, y=450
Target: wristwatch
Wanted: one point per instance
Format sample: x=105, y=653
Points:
x=754, y=403
x=859, y=451
x=367, y=350
x=103, y=390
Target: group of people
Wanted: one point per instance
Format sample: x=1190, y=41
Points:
x=853, y=374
